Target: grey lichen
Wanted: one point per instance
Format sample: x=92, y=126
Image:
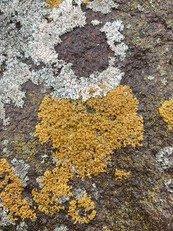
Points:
x=68, y=85
x=165, y=158
x=4, y=218
x=95, y=22
x=78, y=193
x=22, y=226
x=61, y=228
x=27, y=51
x=21, y=170
x=114, y=36
x=169, y=185
x=15, y=75
x=46, y=35
x=27, y=35
x=104, y=6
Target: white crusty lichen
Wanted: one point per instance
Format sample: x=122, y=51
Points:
x=115, y=38
x=61, y=228
x=18, y=23
x=30, y=31
x=27, y=39
x=5, y=220
x=78, y=193
x=22, y=226
x=21, y=169
x=14, y=76
x=47, y=35
x=68, y=85
x=95, y=22
x=169, y=185
x=165, y=158
x=103, y=6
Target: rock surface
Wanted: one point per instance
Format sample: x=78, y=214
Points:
x=142, y=201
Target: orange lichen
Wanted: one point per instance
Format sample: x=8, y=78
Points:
x=166, y=112
x=85, y=134
x=54, y=3
x=54, y=186
x=11, y=189
x=82, y=211
x=121, y=175
x=103, y=86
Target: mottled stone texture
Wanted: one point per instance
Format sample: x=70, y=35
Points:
x=36, y=47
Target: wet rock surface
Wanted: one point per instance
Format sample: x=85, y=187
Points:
x=142, y=201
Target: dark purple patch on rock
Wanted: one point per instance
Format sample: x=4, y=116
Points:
x=86, y=48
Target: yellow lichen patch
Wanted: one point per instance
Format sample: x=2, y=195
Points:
x=82, y=211
x=166, y=112
x=54, y=3
x=11, y=189
x=121, y=175
x=92, y=91
x=85, y=134
x=87, y=1
x=103, y=86
x=54, y=186
x=105, y=228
